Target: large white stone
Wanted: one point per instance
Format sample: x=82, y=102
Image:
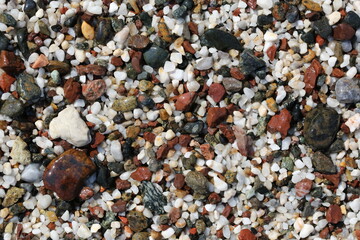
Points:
x=69, y=126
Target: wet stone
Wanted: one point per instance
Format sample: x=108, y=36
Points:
x=221, y=40
x=67, y=173
x=322, y=27
x=320, y=127
x=125, y=104
x=137, y=221
x=11, y=63
x=27, y=88
x=12, y=196
x=12, y=107
x=343, y=31
x=138, y=42
x=155, y=56
x=250, y=64
x=21, y=35
x=7, y=19
x=30, y=8
x=347, y=91
x=71, y=21
x=4, y=42
x=197, y=182
x=153, y=197
x=323, y=163
x=62, y=67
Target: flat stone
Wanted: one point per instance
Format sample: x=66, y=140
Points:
x=94, y=89
x=87, y=31
x=92, y=69
x=343, y=31
x=67, y=173
x=104, y=31
x=22, y=35
x=323, y=164
x=12, y=107
x=141, y=174
x=19, y=153
x=194, y=127
x=155, y=56
x=221, y=40
x=243, y=142
x=280, y=123
x=72, y=90
x=246, y=234
x=264, y=20
x=320, y=127
x=11, y=63
x=197, y=182
x=137, y=221
x=62, y=67
x=27, y=87
x=311, y=5
x=232, y=84
x=40, y=62
x=69, y=126
x=153, y=197
x=216, y=92
x=12, y=196
x=334, y=214
x=5, y=82
x=292, y=14
x=347, y=91
x=311, y=74
x=138, y=41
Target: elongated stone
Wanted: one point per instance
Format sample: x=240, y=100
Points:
x=221, y=40
x=153, y=197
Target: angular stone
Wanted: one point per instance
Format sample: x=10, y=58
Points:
x=216, y=92
x=347, y=91
x=153, y=197
x=94, y=89
x=7, y=19
x=40, y=62
x=12, y=196
x=320, y=127
x=250, y=64
x=244, y=142
x=280, y=123
x=22, y=35
x=311, y=5
x=215, y=116
x=19, y=153
x=27, y=88
x=11, y=63
x=197, y=182
x=137, y=221
x=221, y=40
x=62, y=67
x=92, y=69
x=334, y=214
x=4, y=42
x=125, y=104
x=141, y=174
x=279, y=10
x=138, y=42
x=323, y=164
x=311, y=74
x=322, y=27
x=246, y=234
x=12, y=107
x=232, y=84
x=5, y=82
x=303, y=187
x=67, y=173
x=184, y=101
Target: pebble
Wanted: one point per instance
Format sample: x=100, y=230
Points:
x=320, y=127
x=246, y=234
x=280, y=123
x=11, y=63
x=265, y=4
x=250, y=64
x=244, y=142
x=303, y=187
x=184, y=101
x=125, y=104
x=280, y=10
x=83, y=231
x=94, y=89
x=62, y=67
x=27, y=88
x=8, y=19
x=306, y=230
x=311, y=5
x=92, y=69
x=232, y=84
x=44, y=201
x=12, y=195
x=220, y=40
x=12, y=107
x=215, y=116
x=197, y=182
x=204, y=63
x=69, y=126
x=138, y=42
x=155, y=56
x=40, y=62
x=153, y=198
x=343, y=31
x=323, y=163
x=322, y=27
x=352, y=19
x=32, y=173
x=137, y=221
x=216, y=92
x=333, y=214
x=87, y=30
x=30, y=8
x=67, y=173
x=19, y=152
x=141, y=174
x=311, y=74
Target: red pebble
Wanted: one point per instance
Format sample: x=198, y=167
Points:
x=280, y=123
x=303, y=187
x=217, y=92
x=333, y=214
x=6, y=81
x=246, y=234
x=141, y=174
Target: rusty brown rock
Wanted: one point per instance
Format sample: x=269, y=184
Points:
x=244, y=142
x=94, y=89
x=303, y=187
x=333, y=214
x=280, y=123
x=215, y=116
x=92, y=69
x=72, y=90
x=122, y=184
x=179, y=181
x=119, y=206
x=5, y=82
x=136, y=61
x=216, y=92
x=184, y=101
x=67, y=173
x=11, y=63
x=311, y=75
x=86, y=193
x=343, y=31
x=138, y=42
x=141, y=174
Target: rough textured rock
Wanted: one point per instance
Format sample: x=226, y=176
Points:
x=333, y=214
x=12, y=196
x=323, y=163
x=280, y=123
x=215, y=116
x=250, y=64
x=67, y=173
x=221, y=40
x=244, y=142
x=27, y=88
x=153, y=197
x=12, y=107
x=303, y=187
x=137, y=221
x=184, y=101
x=125, y=104
x=11, y=63
x=94, y=89
x=69, y=126
x=347, y=91
x=19, y=153
x=156, y=56
x=320, y=127
x=197, y=182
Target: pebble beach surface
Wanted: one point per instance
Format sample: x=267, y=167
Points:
x=182, y=119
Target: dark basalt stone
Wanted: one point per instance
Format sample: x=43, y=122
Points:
x=221, y=40
x=320, y=127
x=27, y=88
x=251, y=64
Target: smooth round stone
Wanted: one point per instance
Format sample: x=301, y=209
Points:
x=12, y=107
x=67, y=173
x=320, y=127
x=156, y=56
x=347, y=91
x=194, y=128
x=30, y=8
x=7, y=19
x=103, y=31
x=4, y=42
x=31, y=173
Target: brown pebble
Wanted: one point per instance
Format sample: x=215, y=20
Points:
x=188, y=48
x=141, y=174
x=122, y=184
x=184, y=101
x=86, y=193
x=138, y=41
x=193, y=28
x=311, y=74
x=11, y=63
x=119, y=206
x=333, y=214
x=92, y=69
x=280, y=123
x=217, y=92
x=215, y=116
x=343, y=31
x=303, y=187
x=116, y=61
x=179, y=181
x=72, y=90
x=94, y=89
